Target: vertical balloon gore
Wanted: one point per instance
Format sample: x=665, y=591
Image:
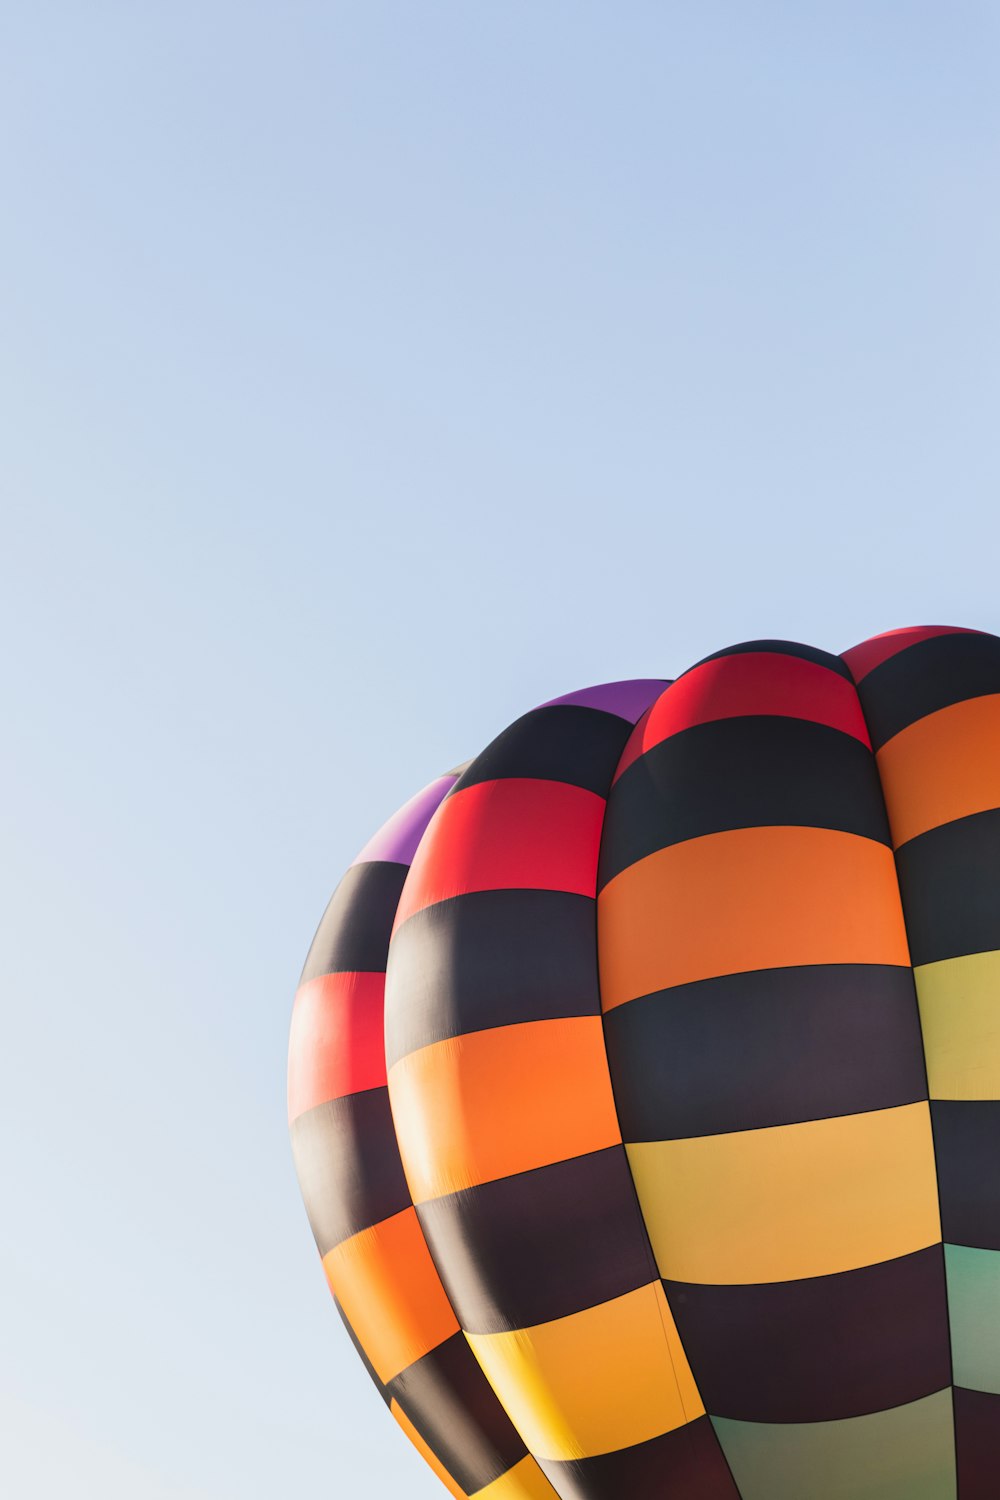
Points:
x=644, y=1087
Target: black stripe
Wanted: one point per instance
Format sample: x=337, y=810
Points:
x=977, y=1444
x=820, y=1349
x=686, y=1464
x=361, y=1353
x=353, y=936
x=348, y=1166
x=967, y=1148
x=540, y=1245
x=783, y=648
x=564, y=742
x=451, y=1404
x=743, y=772
x=770, y=1047
x=490, y=958
x=929, y=675
x=949, y=879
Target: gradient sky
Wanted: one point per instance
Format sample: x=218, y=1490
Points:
x=370, y=373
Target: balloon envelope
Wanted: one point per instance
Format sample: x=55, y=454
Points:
x=644, y=1087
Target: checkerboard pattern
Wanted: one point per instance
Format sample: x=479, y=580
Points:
x=374, y=1254
x=681, y=1125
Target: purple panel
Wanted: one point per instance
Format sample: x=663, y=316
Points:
x=629, y=700
x=397, y=840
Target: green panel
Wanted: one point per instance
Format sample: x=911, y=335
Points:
x=974, y=1311
x=907, y=1453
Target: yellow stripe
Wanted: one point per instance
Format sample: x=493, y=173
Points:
x=790, y=1201
x=960, y=1016
x=595, y=1381
x=525, y=1481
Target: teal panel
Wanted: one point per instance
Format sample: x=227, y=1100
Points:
x=974, y=1312
x=907, y=1453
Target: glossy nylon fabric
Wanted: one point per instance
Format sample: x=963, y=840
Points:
x=376, y=1261
x=709, y=1166
x=506, y=1117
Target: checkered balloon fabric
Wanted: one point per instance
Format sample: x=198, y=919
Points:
x=644, y=1088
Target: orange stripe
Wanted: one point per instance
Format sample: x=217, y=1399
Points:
x=943, y=767
x=391, y=1295
x=525, y=1481
x=474, y=1108
x=752, y=898
x=427, y=1452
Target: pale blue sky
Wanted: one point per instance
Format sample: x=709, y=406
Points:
x=371, y=372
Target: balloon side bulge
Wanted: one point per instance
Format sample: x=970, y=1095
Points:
x=931, y=697
x=766, y=1057
x=374, y=1255
x=501, y=1097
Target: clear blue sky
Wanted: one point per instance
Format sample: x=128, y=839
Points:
x=369, y=374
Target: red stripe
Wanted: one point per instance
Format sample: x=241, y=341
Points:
x=336, y=1046
x=749, y=683
x=635, y=745
x=872, y=653
x=517, y=834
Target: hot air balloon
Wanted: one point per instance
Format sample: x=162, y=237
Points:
x=644, y=1087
